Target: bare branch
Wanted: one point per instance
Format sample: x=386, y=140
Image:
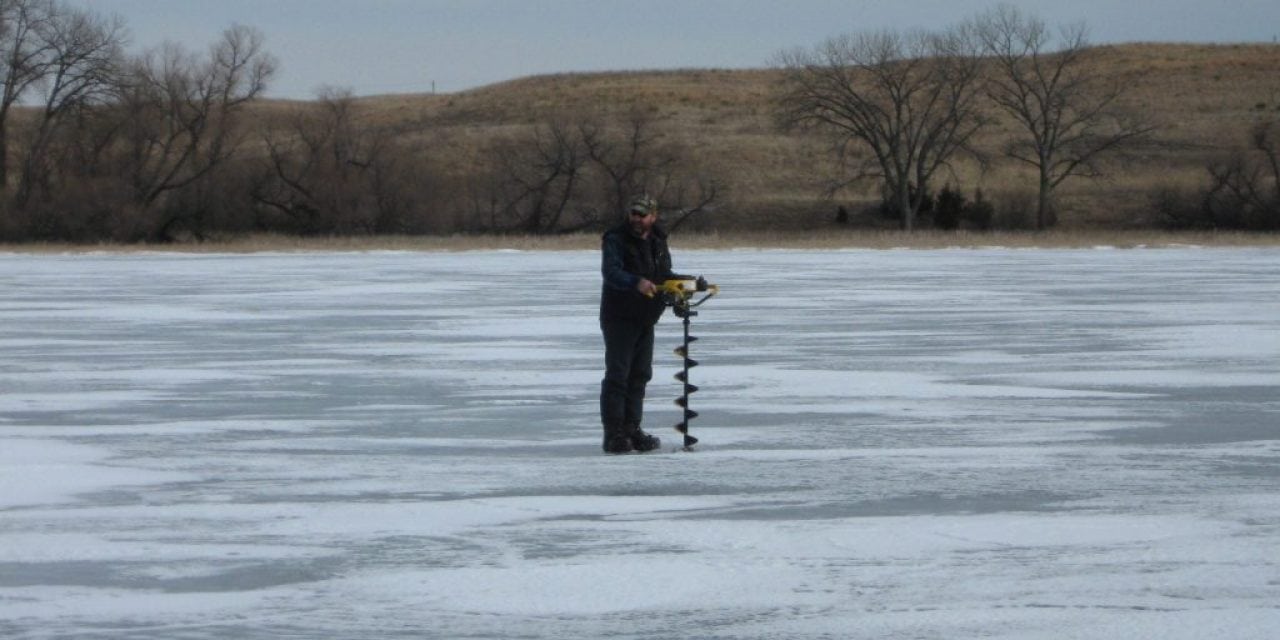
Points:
x=1071, y=118
x=908, y=99
x=183, y=110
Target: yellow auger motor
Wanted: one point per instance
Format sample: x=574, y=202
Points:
x=685, y=288
x=679, y=294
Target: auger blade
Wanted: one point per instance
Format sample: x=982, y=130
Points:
x=680, y=291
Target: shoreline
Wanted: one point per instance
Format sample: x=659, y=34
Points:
x=829, y=239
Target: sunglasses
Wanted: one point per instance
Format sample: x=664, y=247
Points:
x=641, y=214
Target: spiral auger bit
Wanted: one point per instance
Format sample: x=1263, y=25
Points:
x=679, y=294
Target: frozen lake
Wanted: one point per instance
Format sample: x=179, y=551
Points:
x=947, y=444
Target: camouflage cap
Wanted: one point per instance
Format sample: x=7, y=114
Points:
x=642, y=204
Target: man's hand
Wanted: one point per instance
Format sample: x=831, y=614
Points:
x=647, y=288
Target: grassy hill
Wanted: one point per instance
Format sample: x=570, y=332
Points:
x=1204, y=97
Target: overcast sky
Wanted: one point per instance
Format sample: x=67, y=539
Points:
x=410, y=46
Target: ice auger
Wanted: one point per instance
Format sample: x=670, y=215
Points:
x=679, y=293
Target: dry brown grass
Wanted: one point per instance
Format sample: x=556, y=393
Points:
x=824, y=240
x=1204, y=97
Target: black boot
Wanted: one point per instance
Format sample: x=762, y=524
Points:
x=641, y=441
x=616, y=440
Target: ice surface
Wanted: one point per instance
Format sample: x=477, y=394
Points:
x=895, y=444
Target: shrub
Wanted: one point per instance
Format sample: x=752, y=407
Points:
x=949, y=209
x=980, y=213
x=1014, y=210
x=1243, y=190
x=889, y=207
x=1180, y=208
x=952, y=211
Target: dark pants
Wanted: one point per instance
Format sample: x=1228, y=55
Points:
x=628, y=361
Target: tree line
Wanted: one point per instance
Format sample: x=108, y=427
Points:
x=174, y=144
x=901, y=107
x=111, y=141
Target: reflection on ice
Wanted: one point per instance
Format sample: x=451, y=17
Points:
x=993, y=443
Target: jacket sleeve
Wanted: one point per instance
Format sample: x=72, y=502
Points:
x=615, y=275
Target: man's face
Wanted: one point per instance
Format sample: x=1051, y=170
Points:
x=642, y=221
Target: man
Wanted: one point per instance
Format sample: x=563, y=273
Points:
x=636, y=261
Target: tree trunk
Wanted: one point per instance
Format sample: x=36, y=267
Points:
x=1044, y=205
x=4, y=154
x=908, y=211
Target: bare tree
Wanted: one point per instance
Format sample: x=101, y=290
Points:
x=910, y=100
x=686, y=199
x=630, y=155
x=634, y=156
x=1265, y=140
x=326, y=171
x=540, y=181
x=81, y=66
x=1070, y=114
x=577, y=172
x=1244, y=189
x=182, y=111
x=22, y=61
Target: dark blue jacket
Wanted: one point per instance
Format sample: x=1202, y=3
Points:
x=626, y=258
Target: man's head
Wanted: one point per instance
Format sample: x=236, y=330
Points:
x=642, y=213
